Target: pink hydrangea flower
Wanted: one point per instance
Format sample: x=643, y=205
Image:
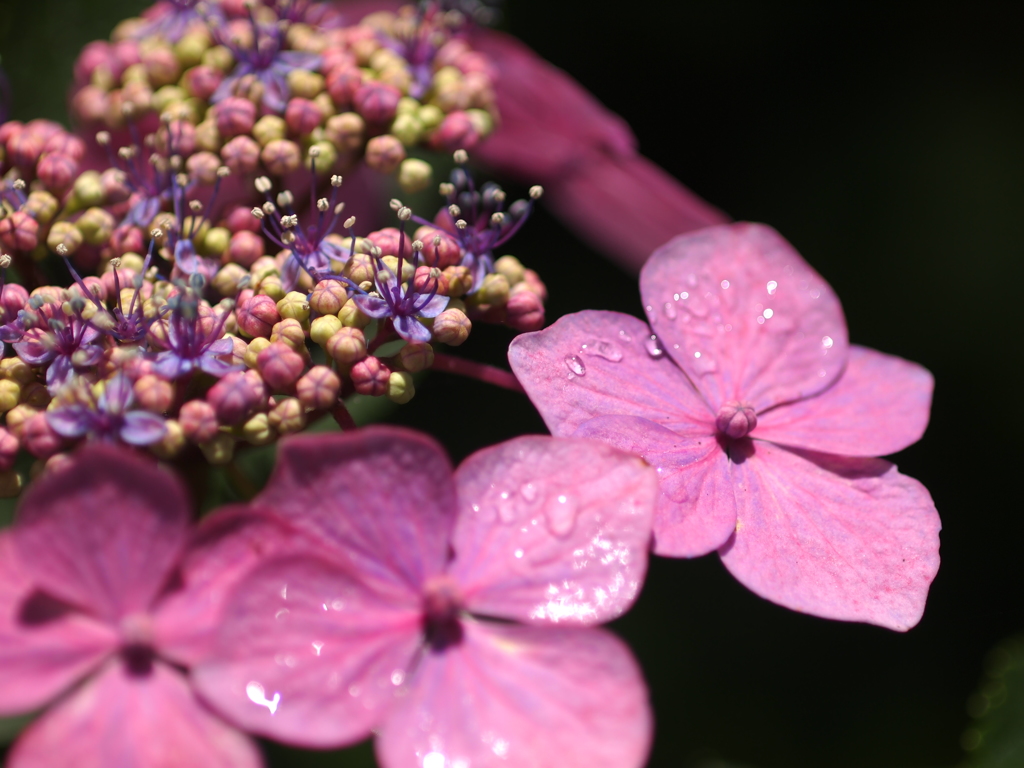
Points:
x=378, y=628
x=759, y=417
x=99, y=584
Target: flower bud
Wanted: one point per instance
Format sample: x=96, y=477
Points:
x=347, y=346
x=302, y=116
x=198, y=421
x=376, y=102
x=305, y=84
x=57, y=172
x=346, y=131
x=414, y=175
x=171, y=443
x=88, y=190
x=39, y=437
x=203, y=167
x=161, y=65
x=272, y=286
x=257, y=316
x=19, y=232
x=456, y=131
x=370, y=377
x=215, y=242
x=452, y=327
x=36, y=395
x=415, y=357
x=10, y=394
x=15, y=368
x=227, y=279
x=96, y=225
x=235, y=396
x=280, y=366
x=736, y=419
x=322, y=328
x=290, y=331
x=235, y=116
x=524, y=311
x=460, y=281
x=66, y=234
x=328, y=297
x=318, y=389
x=321, y=156
x=177, y=137
x=201, y=81
x=400, y=387
x=360, y=268
x=287, y=416
x=352, y=317
x=9, y=447
x=154, y=394
x=245, y=248
x=511, y=268
x=439, y=248
x=207, y=136
x=219, y=450
x=253, y=350
x=384, y=153
x=241, y=155
x=430, y=280
x=493, y=291
x=281, y=156
x=269, y=128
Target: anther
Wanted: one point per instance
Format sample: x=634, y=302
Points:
x=350, y=222
x=536, y=191
x=258, y=213
x=395, y=204
x=322, y=205
x=223, y=172
x=335, y=181
x=461, y=156
x=285, y=199
x=497, y=218
x=5, y=260
x=461, y=224
x=404, y=213
x=417, y=245
x=446, y=188
x=195, y=206
x=62, y=250
x=156, y=233
x=263, y=184
x=103, y=138
x=454, y=210
x=338, y=209
x=268, y=208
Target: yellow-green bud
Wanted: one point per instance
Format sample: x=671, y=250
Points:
x=16, y=369
x=96, y=226
x=511, y=268
x=408, y=129
x=493, y=291
x=269, y=128
x=324, y=155
x=452, y=327
x=346, y=131
x=88, y=190
x=36, y=395
x=352, y=317
x=189, y=49
x=271, y=286
x=218, y=57
x=481, y=120
x=172, y=443
x=10, y=394
x=294, y=306
x=216, y=241
x=407, y=105
x=430, y=116
x=304, y=83
x=408, y=270
x=400, y=387
x=287, y=416
x=321, y=329
x=166, y=96
x=227, y=279
x=256, y=346
x=414, y=175
x=207, y=136
x=258, y=431
x=65, y=234
x=219, y=450
x=291, y=332
x=416, y=357
x=42, y=206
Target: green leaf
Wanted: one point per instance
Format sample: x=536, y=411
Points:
x=995, y=739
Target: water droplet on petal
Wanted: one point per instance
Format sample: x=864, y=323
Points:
x=605, y=349
x=826, y=342
x=654, y=347
x=529, y=492
x=725, y=284
x=625, y=337
x=561, y=515
x=768, y=314
x=670, y=310
x=519, y=554
x=574, y=364
x=772, y=285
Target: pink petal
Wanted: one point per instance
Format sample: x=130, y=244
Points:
x=104, y=532
x=593, y=363
x=704, y=294
x=227, y=545
x=308, y=654
x=696, y=511
x=842, y=538
x=543, y=697
x=121, y=720
x=879, y=405
x=384, y=496
x=552, y=529
x=626, y=207
x=42, y=651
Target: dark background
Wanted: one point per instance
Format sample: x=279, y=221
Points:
x=887, y=144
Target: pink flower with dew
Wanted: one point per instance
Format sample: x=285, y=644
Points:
x=380, y=628
x=105, y=593
x=758, y=415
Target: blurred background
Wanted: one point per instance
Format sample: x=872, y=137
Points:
x=887, y=144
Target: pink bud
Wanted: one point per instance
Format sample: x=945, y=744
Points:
x=241, y=155
x=736, y=419
x=66, y=144
x=241, y=219
x=430, y=280
x=257, y=316
x=452, y=327
x=198, y=421
x=280, y=366
x=124, y=53
x=162, y=66
x=154, y=394
x=336, y=58
x=202, y=81
x=234, y=397
x=388, y=239
x=19, y=232
x=203, y=167
x=13, y=300
x=456, y=131
x=114, y=188
x=370, y=377
x=281, y=156
x=235, y=116
x=9, y=130
x=347, y=345
x=177, y=137
x=302, y=116
x=535, y=284
x=384, y=153
x=245, y=247
x=39, y=438
x=328, y=297
x=95, y=54
x=444, y=254
x=377, y=102
x=9, y=446
x=318, y=390
x=24, y=149
x=57, y=172
x=524, y=311
x=342, y=84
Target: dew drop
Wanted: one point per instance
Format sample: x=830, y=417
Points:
x=605, y=349
x=815, y=293
x=519, y=554
x=760, y=319
x=574, y=364
x=654, y=347
x=528, y=492
x=768, y=314
x=772, y=285
x=625, y=337
x=561, y=515
x=826, y=342
x=725, y=285
x=670, y=310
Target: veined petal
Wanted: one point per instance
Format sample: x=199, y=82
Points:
x=744, y=315
x=71, y=421
x=142, y=428
x=103, y=532
x=126, y=720
x=214, y=366
x=169, y=365
x=434, y=307
x=373, y=306
x=552, y=530
x=879, y=405
x=842, y=538
x=696, y=511
x=544, y=697
x=594, y=363
x=382, y=497
x=411, y=329
x=307, y=654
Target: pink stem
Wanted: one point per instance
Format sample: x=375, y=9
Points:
x=342, y=416
x=486, y=373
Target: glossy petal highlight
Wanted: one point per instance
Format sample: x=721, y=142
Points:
x=843, y=538
x=552, y=530
x=544, y=697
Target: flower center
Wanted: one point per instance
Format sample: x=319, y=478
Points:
x=736, y=419
x=442, y=604
x=137, y=637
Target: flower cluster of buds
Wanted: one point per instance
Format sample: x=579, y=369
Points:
x=254, y=84
x=175, y=292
